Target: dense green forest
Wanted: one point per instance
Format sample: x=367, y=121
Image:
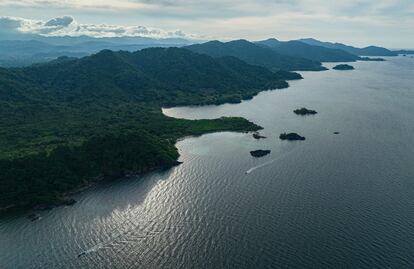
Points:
x=314, y=53
x=42, y=178
x=367, y=51
x=257, y=54
x=72, y=120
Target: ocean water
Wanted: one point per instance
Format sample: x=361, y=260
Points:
x=332, y=201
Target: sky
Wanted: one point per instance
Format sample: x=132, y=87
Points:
x=388, y=23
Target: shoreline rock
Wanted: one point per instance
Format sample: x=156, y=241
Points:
x=256, y=135
x=69, y=202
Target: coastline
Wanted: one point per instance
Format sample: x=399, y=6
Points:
x=65, y=198
x=222, y=124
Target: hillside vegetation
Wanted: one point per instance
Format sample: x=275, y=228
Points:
x=310, y=52
x=367, y=51
x=257, y=55
x=72, y=120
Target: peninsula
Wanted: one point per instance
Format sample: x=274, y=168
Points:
x=71, y=122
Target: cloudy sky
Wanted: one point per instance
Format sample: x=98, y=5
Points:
x=388, y=23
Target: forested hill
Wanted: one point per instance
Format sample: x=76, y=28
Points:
x=70, y=120
x=163, y=76
x=256, y=54
x=367, y=51
x=315, y=53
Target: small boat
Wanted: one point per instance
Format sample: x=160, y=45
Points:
x=81, y=254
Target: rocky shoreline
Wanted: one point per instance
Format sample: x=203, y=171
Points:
x=256, y=135
x=66, y=198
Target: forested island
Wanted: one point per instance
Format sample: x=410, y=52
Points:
x=304, y=111
x=369, y=59
x=343, y=67
x=74, y=121
x=291, y=137
x=259, y=153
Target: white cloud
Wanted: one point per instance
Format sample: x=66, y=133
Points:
x=62, y=21
x=228, y=8
x=68, y=26
x=360, y=22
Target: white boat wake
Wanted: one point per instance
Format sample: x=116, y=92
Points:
x=119, y=238
x=110, y=241
x=93, y=249
x=261, y=165
x=270, y=162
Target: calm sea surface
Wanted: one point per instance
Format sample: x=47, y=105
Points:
x=332, y=201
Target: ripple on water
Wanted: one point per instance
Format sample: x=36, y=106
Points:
x=332, y=201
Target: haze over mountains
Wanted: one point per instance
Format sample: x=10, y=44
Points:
x=367, y=51
x=311, y=52
x=41, y=49
x=302, y=54
x=254, y=54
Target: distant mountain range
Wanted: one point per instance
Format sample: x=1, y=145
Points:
x=43, y=49
x=256, y=54
x=310, y=52
x=404, y=51
x=367, y=51
x=302, y=54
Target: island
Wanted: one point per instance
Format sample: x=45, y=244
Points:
x=304, y=111
x=291, y=137
x=259, y=153
x=368, y=59
x=256, y=135
x=344, y=67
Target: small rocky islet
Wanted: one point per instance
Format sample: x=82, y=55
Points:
x=259, y=153
x=369, y=59
x=291, y=137
x=256, y=135
x=343, y=67
x=304, y=111
x=284, y=136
